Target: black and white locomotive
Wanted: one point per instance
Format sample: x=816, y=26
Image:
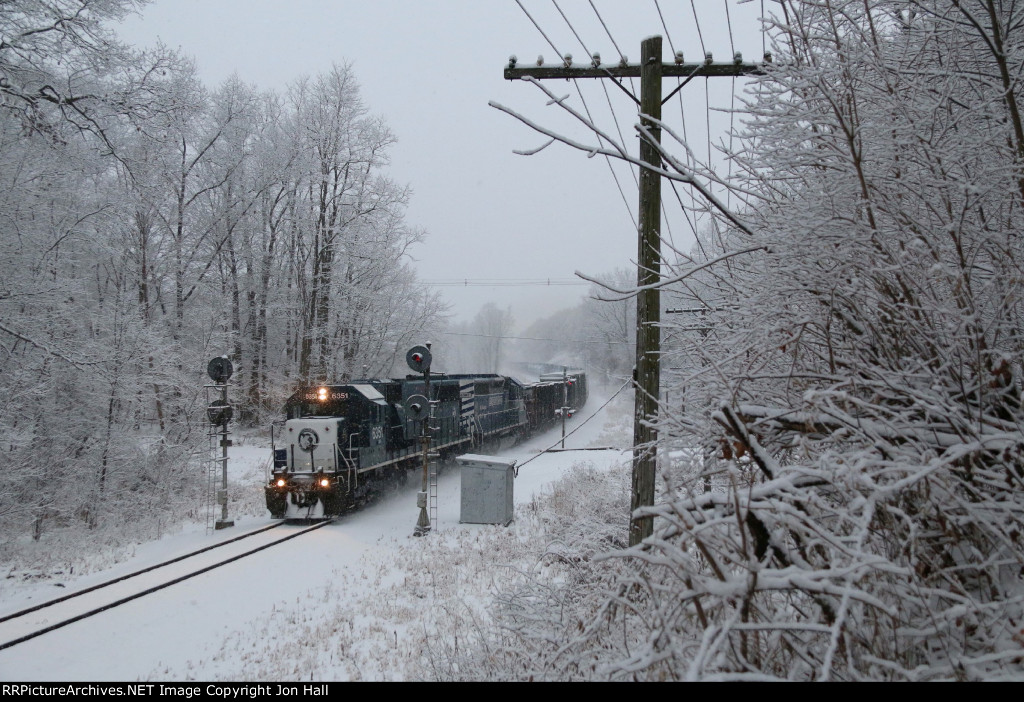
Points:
x=338, y=440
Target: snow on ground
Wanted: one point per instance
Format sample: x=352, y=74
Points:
x=356, y=600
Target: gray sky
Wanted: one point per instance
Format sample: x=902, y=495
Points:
x=429, y=67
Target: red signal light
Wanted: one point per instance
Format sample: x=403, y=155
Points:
x=417, y=357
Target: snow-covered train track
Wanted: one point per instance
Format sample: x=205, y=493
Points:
x=28, y=623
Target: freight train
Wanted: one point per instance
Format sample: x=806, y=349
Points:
x=341, y=440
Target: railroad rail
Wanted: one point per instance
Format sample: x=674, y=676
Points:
x=92, y=611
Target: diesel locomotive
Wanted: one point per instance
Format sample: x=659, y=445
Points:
x=339, y=440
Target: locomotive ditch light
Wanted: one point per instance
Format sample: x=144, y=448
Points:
x=324, y=482
x=280, y=482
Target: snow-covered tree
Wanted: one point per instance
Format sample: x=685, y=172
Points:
x=842, y=488
x=149, y=223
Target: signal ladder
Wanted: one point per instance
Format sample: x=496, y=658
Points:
x=214, y=470
x=432, y=489
x=216, y=458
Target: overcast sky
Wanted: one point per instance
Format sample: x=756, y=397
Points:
x=430, y=67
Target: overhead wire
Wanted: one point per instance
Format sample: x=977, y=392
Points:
x=535, y=338
x=502, y=282
x=682, y=116
x=601, y=20
x=732, y=108
x=557, y=52
x=633, y=170
x=691, y=214
x=575, y=33
x=615, y=177
x=664, y=26
x=577, y=428
x=728, y=22
x=707, y=92
x=583, y=100
x=590, y=117
x=622, y=56
x=700, y=35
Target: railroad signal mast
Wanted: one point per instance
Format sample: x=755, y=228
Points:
x=219, y=412
x=647, y=373
x=564, y=411
x=418, y=358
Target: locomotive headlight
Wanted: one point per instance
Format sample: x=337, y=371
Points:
x=322, y=394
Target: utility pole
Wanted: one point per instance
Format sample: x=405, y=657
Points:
x=647, y=380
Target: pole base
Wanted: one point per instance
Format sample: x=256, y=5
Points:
x=224, y=524
x=422, y=524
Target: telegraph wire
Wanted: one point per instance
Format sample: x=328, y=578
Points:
x=728, y=23
x=502, y=282
x=682, y=117
x=622, y=56
x=608, y=160
x=585, y=49
x=590, y=116
x=693, y=218
x=578, y=427
x=622, y=140
x=665, y=27
x=764, y=39
x=601, y=19
x=568, y=341
x=700, y=36
x=557, y=52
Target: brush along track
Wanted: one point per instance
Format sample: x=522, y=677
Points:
x=19, y=627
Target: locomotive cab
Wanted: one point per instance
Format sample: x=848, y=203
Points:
x=330, y=432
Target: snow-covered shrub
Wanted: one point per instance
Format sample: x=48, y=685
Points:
x=853, y=508
x=858, y=512
x=552, y=585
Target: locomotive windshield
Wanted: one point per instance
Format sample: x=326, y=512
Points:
x=319, y=402
x=357, y=403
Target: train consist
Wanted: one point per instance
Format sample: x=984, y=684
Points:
x=339, y=440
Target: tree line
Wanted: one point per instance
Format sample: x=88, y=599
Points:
x=148, y=223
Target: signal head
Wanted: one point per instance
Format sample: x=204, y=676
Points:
x=418, y=358
x=418, y=407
